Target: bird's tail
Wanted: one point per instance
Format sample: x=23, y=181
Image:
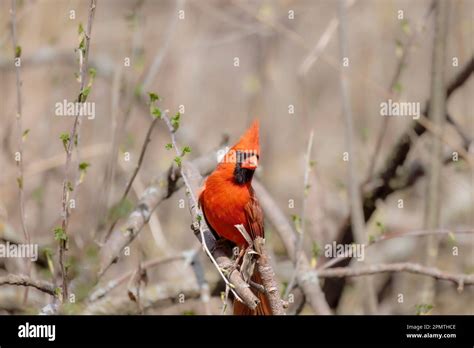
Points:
x=263, y=308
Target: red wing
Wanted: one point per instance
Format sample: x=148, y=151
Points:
x=254, y=215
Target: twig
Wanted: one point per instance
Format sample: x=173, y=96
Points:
x=135, y=172
x=24, y=280
x=393, y=235
x=21, y=134
x=299, y=246
x=150, y=297
x=341, y=272
x=100, y=292
x=357, y=214
x=323, y=41
x=69, y=147
x=437, y=109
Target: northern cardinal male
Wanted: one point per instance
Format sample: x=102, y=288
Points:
x=228, y=199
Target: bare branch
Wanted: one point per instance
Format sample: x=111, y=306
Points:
x=21, y=134
x=357, y=214
x=341, y=272
x=23, y=280
x=135, y=172
x=437, y=115
x=74, y=134
x=306, y=277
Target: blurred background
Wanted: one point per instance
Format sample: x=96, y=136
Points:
x=223, y=64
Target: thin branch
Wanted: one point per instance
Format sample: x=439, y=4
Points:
x=437, y=109
x=393, y=235
x=21, y=134
x=341, y=272
x=74, y=134
x=321, y=45
x=300, y=241
x=357, y=214
x=24, y=280
x=135, y=172
x=102, y=291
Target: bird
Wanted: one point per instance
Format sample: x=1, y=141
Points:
x=227, y=199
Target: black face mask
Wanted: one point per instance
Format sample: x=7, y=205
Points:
x=242, y=175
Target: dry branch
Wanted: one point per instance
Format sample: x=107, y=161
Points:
x=150, y=297
x=341, y=272
x=306, y=277
x=268, y=277
x=355, y=199
x=23, y=280
x=73, y=140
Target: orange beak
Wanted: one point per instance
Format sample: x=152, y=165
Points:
x=250, y=163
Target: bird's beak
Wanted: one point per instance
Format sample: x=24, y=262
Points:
x=250, y=163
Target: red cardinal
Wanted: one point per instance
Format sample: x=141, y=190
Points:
x=228, y=199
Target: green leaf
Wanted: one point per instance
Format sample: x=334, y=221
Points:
x=83, y=166
x=306, y=190
x=84, y=94
x=153, y=97
x=60, y=234
x=297, y=221
x=178, y=160
x=65, y=139
x=156, y=112
x=82, y=45
x=423, y=308
x=17, y=51
x=406, y=26
x=80, y=29
x=168, y=146
x=92, y=73
x=186, y=150
x=398, y=48
x=69, y=186
x=380, y=227
x=19, y=180
x=25, y=134
x=58, y=292
x=175, y=121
